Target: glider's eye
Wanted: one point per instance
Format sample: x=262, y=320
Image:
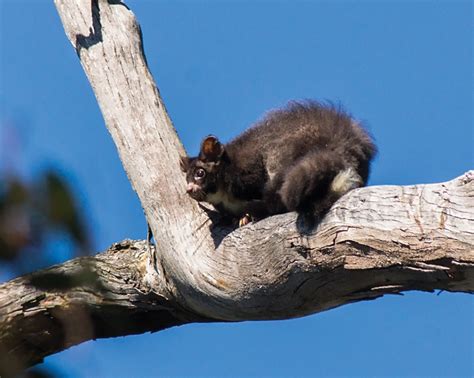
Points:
x=199, y=174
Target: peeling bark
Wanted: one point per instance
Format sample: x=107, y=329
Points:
x=374, y=241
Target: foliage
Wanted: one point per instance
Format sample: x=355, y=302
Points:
x=32, y=213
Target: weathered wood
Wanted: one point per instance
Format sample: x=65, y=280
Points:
x=82, y=299
x=374, y=241
x=108, y=42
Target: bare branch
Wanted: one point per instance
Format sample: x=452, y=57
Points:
x=83, y=299
x=375, y=241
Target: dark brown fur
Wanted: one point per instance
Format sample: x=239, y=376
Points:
x=287, y=161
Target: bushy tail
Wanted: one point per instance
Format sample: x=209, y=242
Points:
x=316, y=181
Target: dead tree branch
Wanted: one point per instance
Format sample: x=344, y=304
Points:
x=375, y=241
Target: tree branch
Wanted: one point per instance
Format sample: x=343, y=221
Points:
x=82, y=299
x=374, y=241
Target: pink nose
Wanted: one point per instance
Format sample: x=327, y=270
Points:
x=191, y=187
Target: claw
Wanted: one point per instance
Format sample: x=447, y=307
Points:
x=246, y=219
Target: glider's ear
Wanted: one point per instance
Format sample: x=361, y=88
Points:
x=211, y=149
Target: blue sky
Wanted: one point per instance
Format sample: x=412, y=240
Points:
x=403, y=67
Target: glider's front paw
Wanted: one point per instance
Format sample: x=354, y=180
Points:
x=246, y=219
